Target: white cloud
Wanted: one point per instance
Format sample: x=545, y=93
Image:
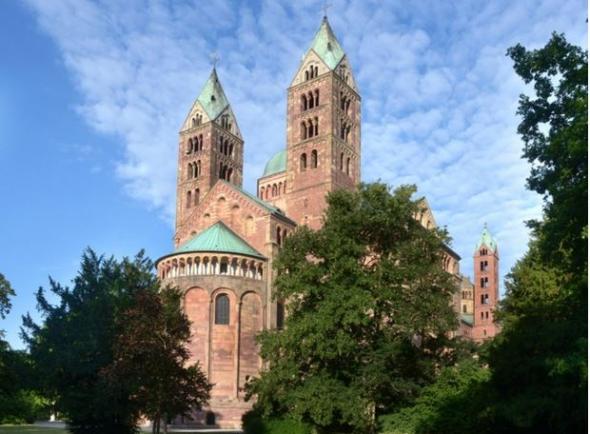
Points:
x=439, y=94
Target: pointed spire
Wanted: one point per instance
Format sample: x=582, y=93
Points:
x=326, y=45
x=212, y=97
x=486, y=239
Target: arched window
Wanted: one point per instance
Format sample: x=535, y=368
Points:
x=303, y=102
x=317, y=97
x=222, y=309
x=315, y=71
x=188, y=199
x=198, y=168
x=189, y=146
x=261, y=192
x=341, y=161
x=279, y=236
x=314, y=159
x=189, y=171
x=274, y=190
x=231, y=149
x=348, y=166
x=315, y=126
x=309, y=128
x=280, y=189
x=303, y=131
x=280, y=315
x=210, y=418
x=194, y=122
x=303, y=162
x=306, y=75
x=197, y=196
x=310, y=99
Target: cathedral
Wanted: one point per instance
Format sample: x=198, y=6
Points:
x=227, y=238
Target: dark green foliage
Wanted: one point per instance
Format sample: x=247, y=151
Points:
x=554, y=128
x=455, y=403
x=76, y=342
x=113, y=349
x=254, y=423
x=6, y=292
x=539, y=362
x=19, y=401
x=368, y=308
x=151, y=357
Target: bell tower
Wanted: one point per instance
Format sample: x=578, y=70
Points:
x=486, y=261
x=210, y=148
x=323, y=129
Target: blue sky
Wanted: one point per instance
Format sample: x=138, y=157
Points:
x=92, y=94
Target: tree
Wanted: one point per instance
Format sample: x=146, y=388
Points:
x=151, y=358
x=539, y=361
x=75, y=342
x=554, y=129
x=6, y=292
x=369, y=308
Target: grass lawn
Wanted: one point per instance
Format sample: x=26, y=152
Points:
x=29, y=429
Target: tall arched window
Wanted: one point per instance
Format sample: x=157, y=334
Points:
x=309, y=128
x=222, y=309
x=303, y=102
x=197, y=196
x=317, y=97
x=188, y=199
x=310, y=99
x=342, y=161
x=198, y=169
x=303, y=131
x=348, y=166
x=303, y=162
x=280, y=315
x=189, y=146
x=314, y=159
x=189, y=171
x=315, y=126
x=279, y=236
x=274, y=190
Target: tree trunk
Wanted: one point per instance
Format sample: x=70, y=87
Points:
x=165, y=424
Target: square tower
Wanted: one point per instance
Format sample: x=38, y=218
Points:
x=323, y=129
x=210, y=148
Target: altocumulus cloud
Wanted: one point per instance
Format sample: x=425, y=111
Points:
x=439, y=94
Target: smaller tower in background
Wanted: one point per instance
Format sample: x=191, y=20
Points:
x=486, y=262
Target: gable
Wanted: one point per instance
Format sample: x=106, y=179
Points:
x=196, y=113
x=311, y=59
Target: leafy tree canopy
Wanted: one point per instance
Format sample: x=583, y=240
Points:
x=6, y=292
x=369, y=306
x=89, y=349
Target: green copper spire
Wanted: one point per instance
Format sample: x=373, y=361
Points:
x=218, y=238
x=212, y=97
x=486, y=239
x=326, y=45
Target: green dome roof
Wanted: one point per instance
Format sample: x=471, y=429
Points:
x=218, y=238
x=486, y=240
x=277, y=164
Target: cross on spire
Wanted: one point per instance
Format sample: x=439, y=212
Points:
x=214, y=58
x=327, y=5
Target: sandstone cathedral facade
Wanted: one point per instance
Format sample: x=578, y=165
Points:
x=226, y=238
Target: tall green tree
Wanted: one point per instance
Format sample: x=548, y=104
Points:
x=369, y=306
x=75, y=342
x=152, y=358
x=6, y=292
x=539, y=361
